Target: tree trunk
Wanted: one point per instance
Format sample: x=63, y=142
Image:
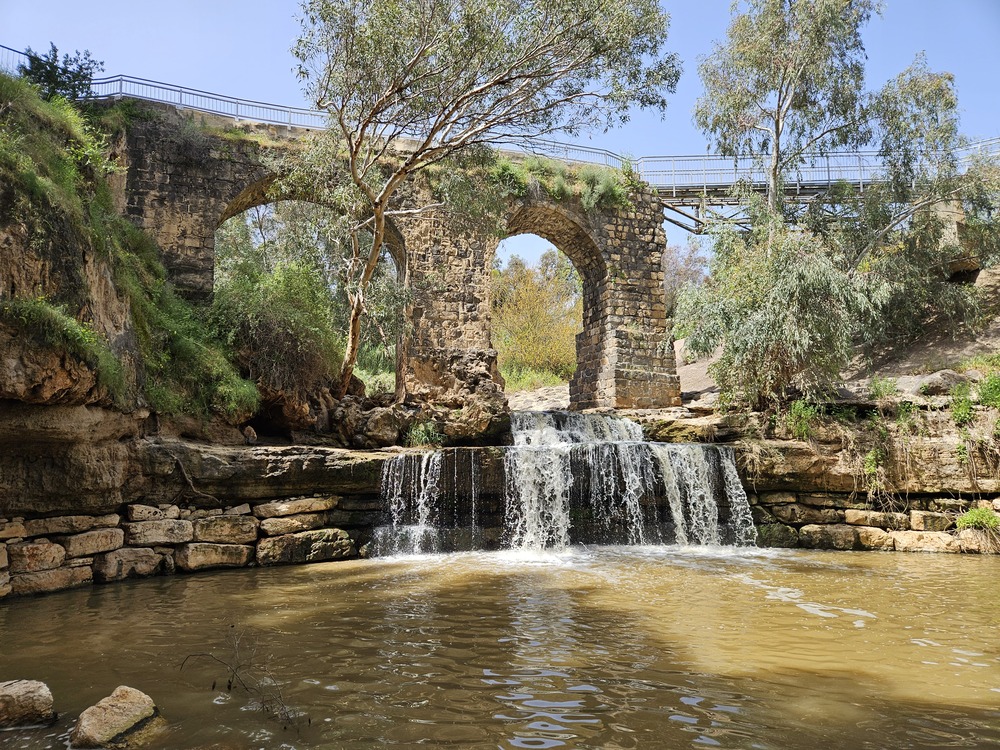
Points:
x=353, y=343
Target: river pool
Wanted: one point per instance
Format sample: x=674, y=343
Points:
x=613, y=647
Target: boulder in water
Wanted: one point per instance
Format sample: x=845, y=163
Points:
x=25, y=703
x=125, y=719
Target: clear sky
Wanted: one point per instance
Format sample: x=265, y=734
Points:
x=241, y=48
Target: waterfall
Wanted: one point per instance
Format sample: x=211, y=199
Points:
x=568, y=478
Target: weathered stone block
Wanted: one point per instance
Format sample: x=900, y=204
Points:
x=830, y=536
x=4, y=559
x=777, y=498
x=237, y=510
x=127, y=563
x=25, y=703
x=92, y=542
x=925, y=541
x=151, y=533
x=795, y=513
x=922, y=520
x=294, y=524
x=226, y=530
x=4, y=584
x=199, y=556
x=112, y=721
x=44, y=581
x=308, y=546
x=105, y=522
x=875, y=539
x=947, y=504
x=144, y=513
x=896, y=521
x=295, y=507
x=12, y=530
x=58, y=525
x=777, y=535
x=29, y=557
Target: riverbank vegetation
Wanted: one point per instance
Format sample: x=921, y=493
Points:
x=804, y=287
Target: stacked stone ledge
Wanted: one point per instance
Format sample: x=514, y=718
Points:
x=848, y=522
x=51, y=554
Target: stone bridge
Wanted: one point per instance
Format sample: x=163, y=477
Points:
x=185, y=176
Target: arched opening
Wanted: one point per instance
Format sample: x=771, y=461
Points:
x=546, y=305
x=281, y=270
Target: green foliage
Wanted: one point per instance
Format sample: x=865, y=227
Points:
x=595, y=186
x=779, y=308
x=424, y=434
x=961, y=405
x=69, y=78
x=518, y=379
x=881, y=388
x=801, y=419
x=537, y=313
x=987, y=364
x=53, y=326
x=53, y=161
x=978, y=518
x=989, y=391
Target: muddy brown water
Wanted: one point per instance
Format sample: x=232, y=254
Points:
x=656, y=647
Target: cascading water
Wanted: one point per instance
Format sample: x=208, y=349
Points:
x=568, y=478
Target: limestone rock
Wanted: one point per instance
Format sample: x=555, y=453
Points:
x=144, y=513
x=940, y=383
x=12, y=530
x=295, y=507
x=795, y=513
x=29, y=557
x=4, y=559
x=58, y=525
x=833, y=536
x=925, y=541
x=106, y=522
x=152, y=533
x=308, y=546
x=977, y=540
x=44, y=581
x=199, y=556
x=896, y=521
x=303, y=522
x=93, y=542
x=114, y=721
x=226, y=530
x=25, y=703
x=875, y=539
x=921, y=520
x=237, y=510
x=4, y=584
x=777, y=535
x=127, y=563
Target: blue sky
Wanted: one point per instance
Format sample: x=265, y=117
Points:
x=241, y=48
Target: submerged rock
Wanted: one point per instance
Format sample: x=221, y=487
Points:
x=25, y=703
x=124, y=719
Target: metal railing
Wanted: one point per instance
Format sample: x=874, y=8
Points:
x=673, y=177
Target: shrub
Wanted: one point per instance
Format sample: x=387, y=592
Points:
x=880, y=388
x=800, y=419
x=423, y=434
x=978, y=518
x=961, y=405
x=989, y=391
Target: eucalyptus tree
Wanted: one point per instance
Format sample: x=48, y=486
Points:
x=411, y=84
x=791, y=300
x=788, y=80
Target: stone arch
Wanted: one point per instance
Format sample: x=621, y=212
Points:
x=570, y=234
x=260, y=192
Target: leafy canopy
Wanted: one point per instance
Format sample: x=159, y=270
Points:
x=69, y=78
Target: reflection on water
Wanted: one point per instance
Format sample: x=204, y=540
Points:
x=653, y=647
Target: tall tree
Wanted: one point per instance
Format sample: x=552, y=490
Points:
x=793, y=298
x=410, y=84
x=789, y=79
